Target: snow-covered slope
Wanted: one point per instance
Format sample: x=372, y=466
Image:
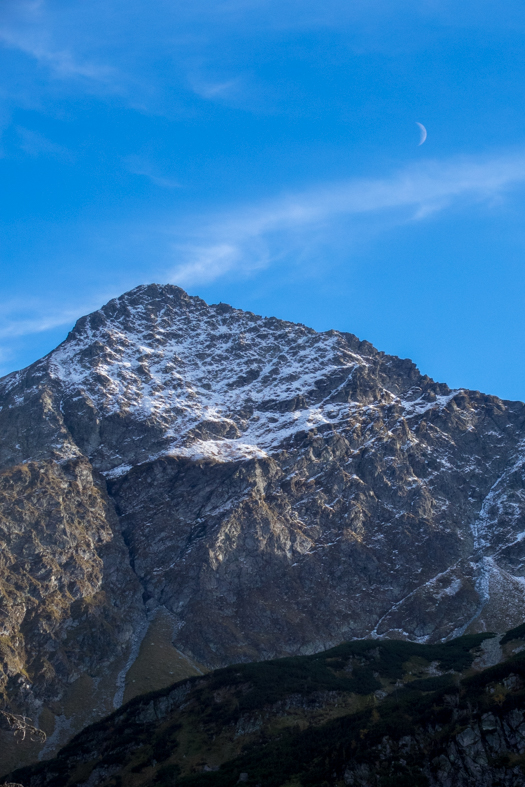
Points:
x=275, y=489
x=211, y=381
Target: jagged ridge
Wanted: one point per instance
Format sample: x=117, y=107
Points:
x=274, y=490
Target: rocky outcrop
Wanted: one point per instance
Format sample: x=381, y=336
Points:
x=70, y=601
x=270, y=489
x=364, y=714
x=485, y=753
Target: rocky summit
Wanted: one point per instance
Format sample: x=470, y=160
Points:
x=186, y=486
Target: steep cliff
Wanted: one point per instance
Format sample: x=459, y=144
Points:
x=260, y=488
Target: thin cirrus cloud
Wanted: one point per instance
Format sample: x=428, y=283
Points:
x=62, y=62
x=105, y=48
x=249, y=240
x=245, y=91
x=35, y=144
x=34, y=317
x=217, y=89
x=140, y=166
x=30, y=319
x=23, y=319
x=52, y=39
x=252, y=238
x=211, y=88
x=113, y=50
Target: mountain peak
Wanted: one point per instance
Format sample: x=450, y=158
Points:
x=208, y=381
x=264, y=488
x=152, y=296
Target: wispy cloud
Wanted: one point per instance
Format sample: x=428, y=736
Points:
x=28, y=319
x=35, y=144
x=38, y=324
x=48, y=36
x=208, y=262
x=5, y=356
x=139, y=166
x=146, y=53
x=254, y=237
x=215, y=89
x=296, y=229
x=62, y=62
x=32, y=317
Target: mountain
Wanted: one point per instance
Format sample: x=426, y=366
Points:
x=364, y=714
x=185, y=486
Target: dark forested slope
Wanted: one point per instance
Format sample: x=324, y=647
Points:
x=369, y=713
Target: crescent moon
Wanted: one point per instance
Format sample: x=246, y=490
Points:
x=423, y=133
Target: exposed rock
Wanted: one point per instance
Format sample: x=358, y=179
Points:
x=70, y=601
x=273, y=489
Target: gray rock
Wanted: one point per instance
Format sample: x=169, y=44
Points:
x=277, y=490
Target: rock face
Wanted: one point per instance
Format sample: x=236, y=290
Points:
x=70, y=602
x=273, y=489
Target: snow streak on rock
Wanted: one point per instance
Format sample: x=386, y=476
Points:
x=278, y=490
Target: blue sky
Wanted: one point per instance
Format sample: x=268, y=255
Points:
x=265, y=153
